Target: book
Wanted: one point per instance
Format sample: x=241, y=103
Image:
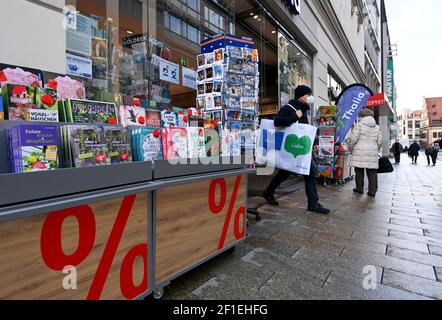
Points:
x=174, y=143
x=153, y=118
x=196, y=142
x=118, y=144
x=32, y=148
x=92, y=112
x=22, y=103
x=2, y=110
x=169, y=119
x=147, y=144
x=212, y=143
x=88, y=147
x=132, y=116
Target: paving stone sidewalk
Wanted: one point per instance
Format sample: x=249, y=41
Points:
x=295, y=254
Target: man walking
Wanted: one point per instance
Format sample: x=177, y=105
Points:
x=413, y=152
x=397, y=149
x=431, y=154
x=296, y=112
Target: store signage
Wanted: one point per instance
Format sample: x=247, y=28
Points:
x=78, y=66
x=350, y=104
x=293, y=5
x=377, y=100
x=169, y=71
x=128, y=42
x=390, y=80
x=189, y=78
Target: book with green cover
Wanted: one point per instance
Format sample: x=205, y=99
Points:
x=119, y=144
x=88, y=146
x=93, y=112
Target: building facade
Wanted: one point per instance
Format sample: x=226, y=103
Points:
x=410, y=125
x=431, y=130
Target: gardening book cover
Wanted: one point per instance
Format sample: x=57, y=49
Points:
x=196, y=142
x=33, y=148
x=94, y=112
x=119, y=145
x=88, y=146
x=175, y=143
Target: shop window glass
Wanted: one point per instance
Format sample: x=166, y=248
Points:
x=294, y=69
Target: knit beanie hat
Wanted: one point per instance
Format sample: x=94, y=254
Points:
x=301, y=91
x=366, y=113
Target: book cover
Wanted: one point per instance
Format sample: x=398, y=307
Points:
x=147, y=144
x=212, y=143
x=196, y=143
x=169, y=119
x=174, y=143
x=2, y=110
x=132, y=116
x=93, y=112
x=33, y=148
x=153, y=118
x=88, y=146
x=119, y=144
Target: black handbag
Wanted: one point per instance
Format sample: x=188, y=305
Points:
x=385, y=165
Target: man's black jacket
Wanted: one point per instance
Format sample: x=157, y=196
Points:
x=287, y=116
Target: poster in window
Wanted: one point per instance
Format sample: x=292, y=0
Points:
x=79, y=40
x=169, y=72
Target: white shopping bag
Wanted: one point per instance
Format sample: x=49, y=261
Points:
x=288, y=149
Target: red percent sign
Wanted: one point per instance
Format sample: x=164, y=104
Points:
x=217, y=207
x=54, y=257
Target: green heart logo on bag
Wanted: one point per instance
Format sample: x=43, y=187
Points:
x=298, y=147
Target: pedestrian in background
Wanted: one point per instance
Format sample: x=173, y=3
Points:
x=397, y=149
x=431, y=154
x=413, y=152
x=365, y=142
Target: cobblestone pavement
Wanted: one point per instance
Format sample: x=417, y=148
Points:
x=294, y=254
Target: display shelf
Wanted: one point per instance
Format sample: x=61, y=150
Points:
x=26, y=187
x=167, y=169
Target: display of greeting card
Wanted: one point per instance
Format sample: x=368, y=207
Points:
x=325, y=172
x=233, y=114
x=196, y=143
x=174, y=143
x=32, y=148
x=94, y=112
x=88, y=146
x=230, y=76
x=132, y=116
x=147, y=144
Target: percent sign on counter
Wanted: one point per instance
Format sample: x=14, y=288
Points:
x=54, y=257
x=216, y=208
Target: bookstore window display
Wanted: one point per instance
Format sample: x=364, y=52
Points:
x=127, y=94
